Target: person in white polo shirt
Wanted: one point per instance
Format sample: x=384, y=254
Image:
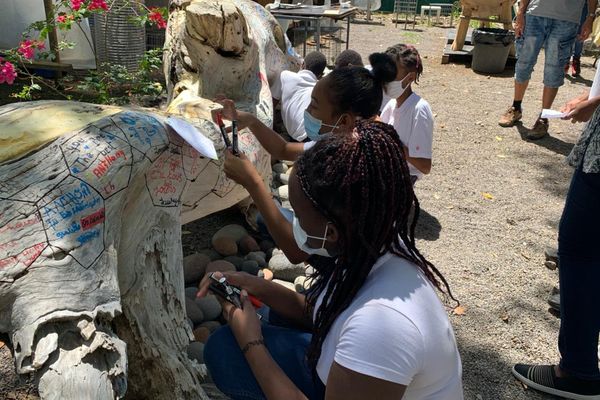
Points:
x=296, y=90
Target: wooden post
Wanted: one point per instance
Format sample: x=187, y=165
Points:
x=52, y=36
x=463, y=28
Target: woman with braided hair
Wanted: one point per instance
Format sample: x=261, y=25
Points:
x=377, y=328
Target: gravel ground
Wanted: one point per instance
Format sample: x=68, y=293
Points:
x=490, y=250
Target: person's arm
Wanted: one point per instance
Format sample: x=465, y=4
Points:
x=345, y=384
x=241, y=170
x=422, y=164
x=272, y=141
x=584, y=110
x=588, y=25
x=575, y=101
x=519, y=24
x=268, y=138
x=285, y=302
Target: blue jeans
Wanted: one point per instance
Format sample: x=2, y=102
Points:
x=260, y=221
x=556, y=37
x=232, y=374
x=578, y=45
x=579, y=272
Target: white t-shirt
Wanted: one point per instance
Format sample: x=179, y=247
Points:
x=413, y=122
x=296, y=89
x=396, y=329
x=595, y=90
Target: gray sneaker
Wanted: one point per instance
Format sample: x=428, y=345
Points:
x=539, y=130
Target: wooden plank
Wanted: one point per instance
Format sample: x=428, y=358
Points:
x=51, y=65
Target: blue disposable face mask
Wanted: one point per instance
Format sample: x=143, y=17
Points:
x=312, y=126
x=301, y=238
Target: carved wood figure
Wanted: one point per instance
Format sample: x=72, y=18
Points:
x=91, y=204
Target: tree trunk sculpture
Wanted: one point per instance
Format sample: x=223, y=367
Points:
x=91, y=204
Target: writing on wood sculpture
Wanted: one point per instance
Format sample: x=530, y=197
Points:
x=91, y=204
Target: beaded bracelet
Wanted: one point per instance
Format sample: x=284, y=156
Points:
x=252, y=343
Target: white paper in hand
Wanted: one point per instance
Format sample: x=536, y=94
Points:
x=546, y=113
x=194, y=137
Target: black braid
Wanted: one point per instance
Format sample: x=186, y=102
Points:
x=362, y=184
x=407, y=56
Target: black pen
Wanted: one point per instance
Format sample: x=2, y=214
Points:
x=234, y=133
x=223, y=131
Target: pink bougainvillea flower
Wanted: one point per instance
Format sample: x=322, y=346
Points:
x=98, y=5
x=27, y=47
x=156, y=17
x=76, y=4
x=7, y=73
x=61, y=19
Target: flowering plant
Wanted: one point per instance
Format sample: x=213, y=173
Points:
x=65, y=14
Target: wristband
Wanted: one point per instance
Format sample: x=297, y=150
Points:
x=259, y=342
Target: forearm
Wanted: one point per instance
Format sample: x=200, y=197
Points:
x=279, y=227
x=272, y=380
x=268, y=138
x=592, y=5
x=523, y=6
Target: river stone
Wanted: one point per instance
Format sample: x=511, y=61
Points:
x=210, y=306
x=283, y=178
x=283, y=192
x=248, y=244
x=266, y=274
x=235, y=232
x=280, y=168
x=285, y=284
x=259, y=257
x=190, y=292
x=194, y=267
x=210, y=325
x=235, y=260
x=251, y=267
x=309, y=271
x=193, y=311
x=195, y=351
x=302, y=284
x=266, y=245
x=282, y=267
x=201, y=334
x=225, y=246
x=221, y=266
x=213, y=255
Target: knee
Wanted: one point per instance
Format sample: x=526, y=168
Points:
x=219, y=344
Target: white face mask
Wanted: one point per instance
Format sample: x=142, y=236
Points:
x=396, y=89
x=301, y=238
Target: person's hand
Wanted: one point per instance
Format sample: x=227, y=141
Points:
x=583, y=111
x=519, y=24
x=240, y=169
x=244, y=322
x=242, y=280
x=586, y=29
x=570, y=106
x=230, y=112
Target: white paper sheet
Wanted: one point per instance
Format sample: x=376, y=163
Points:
x=546, y=113
x=194, y=137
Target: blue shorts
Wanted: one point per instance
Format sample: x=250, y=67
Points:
x=557, y=38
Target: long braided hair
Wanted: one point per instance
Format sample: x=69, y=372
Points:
x=360, y=182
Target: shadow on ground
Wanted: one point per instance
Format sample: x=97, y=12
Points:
x=550, y=142
x=428, y=227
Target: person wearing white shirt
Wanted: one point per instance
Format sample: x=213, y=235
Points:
x=296, y=90
x=407, y=112
x=372, y=325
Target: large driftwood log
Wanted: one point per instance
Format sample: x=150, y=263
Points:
x=91, y=204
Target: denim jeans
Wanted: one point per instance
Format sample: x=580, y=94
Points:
x=579, y=273
x=578, y=45
x=262, y=225
x=556, y=37
x=232, y=374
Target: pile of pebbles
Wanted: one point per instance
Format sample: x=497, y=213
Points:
x=233, y=248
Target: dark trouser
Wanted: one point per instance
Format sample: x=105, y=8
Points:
x=232, y=374
x=579, y=259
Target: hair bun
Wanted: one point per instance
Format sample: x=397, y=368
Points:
x=383, y=67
